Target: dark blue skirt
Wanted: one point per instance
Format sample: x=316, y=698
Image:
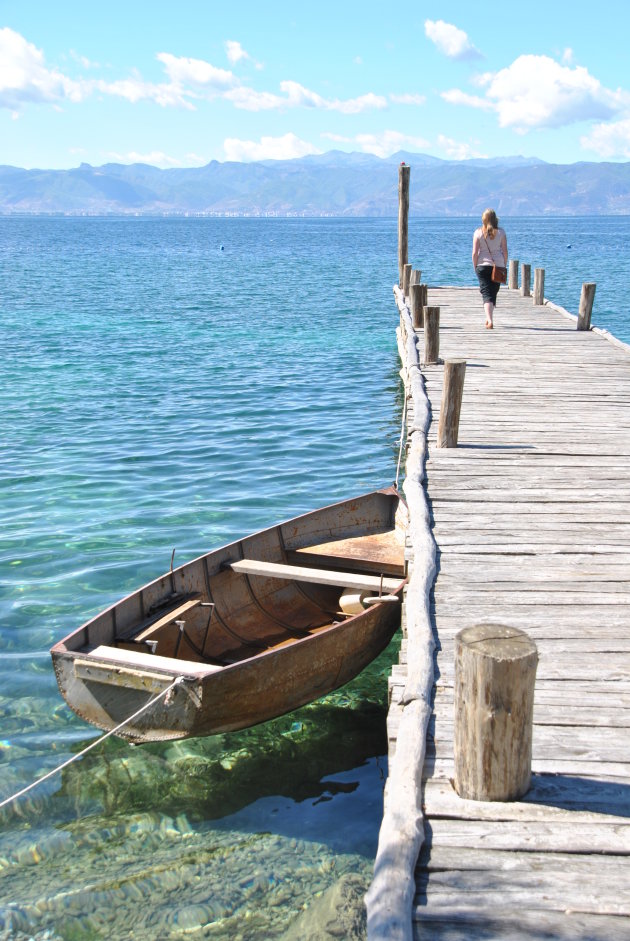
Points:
x=488, y=288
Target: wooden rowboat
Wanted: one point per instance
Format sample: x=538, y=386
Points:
x=252, y=630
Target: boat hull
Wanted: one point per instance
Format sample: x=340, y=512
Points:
x=292, y=649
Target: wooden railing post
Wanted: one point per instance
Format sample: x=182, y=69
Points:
x=406, y=280
x=403, y=218
x=526, y=276
x=418, y=294
x=513, y=275
x=495, y=674
x=431, y=334
x=415, y=278
x=586, y=306
x=450, y=408
x=539, y=286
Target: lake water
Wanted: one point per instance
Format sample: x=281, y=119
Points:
x=175, y=384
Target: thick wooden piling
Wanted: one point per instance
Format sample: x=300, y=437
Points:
x=418, y=303
x=539, y=286
x=513, y=274
x=403, y=219
x=431, y=334
x=526, y=276
x=495, y=673
x=416, y=276
x=452, y=391
x=586, y=306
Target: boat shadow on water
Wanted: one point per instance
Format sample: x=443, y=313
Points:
x=211, y=778
x=247, y=834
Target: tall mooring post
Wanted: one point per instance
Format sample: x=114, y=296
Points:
x=404, y=173
x=452, y=391
x=586, y=306
x=418, y=303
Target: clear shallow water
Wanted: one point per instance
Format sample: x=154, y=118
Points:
x=161, y=392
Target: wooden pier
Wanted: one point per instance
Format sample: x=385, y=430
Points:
x=530, y=514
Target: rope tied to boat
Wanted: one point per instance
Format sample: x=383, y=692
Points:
x=162, y=695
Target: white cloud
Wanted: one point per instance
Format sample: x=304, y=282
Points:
x=136, y=89
x=407, y=99
x=450, y=40
x=267, y=148
x=83, y=60
x=250, y=100
x=386, y=143
x=156, y=158
x=182, y=71
x=195, y=160
x=609, y=140
x=24, y=77
x=297, y=96
x=456, y=97
x=457, y=150
x=235, y=51
x=536, y=91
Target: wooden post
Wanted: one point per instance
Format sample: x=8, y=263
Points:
x=586, y=306
x=513, y=276
x=495, y=674
x=431, y=334
x=416, y=275
x=403, y=218
x=418, y=303
x=452, y=391
x=526, y=276
x=539, y=286
x=406, y=279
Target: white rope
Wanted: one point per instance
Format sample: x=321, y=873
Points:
x=165, y=692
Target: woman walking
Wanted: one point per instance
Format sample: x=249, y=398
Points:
x=489, y=249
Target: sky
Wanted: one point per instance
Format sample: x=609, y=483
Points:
x=178, y=84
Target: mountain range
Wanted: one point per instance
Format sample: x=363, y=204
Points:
x=331, y=184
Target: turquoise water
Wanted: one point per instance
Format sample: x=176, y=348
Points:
x=174, y=384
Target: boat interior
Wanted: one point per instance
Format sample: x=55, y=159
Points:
x=266, y=591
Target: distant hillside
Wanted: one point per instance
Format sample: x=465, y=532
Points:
x=335, y=183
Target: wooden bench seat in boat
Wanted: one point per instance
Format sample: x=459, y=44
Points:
x=315, y=576
x=139, y=670
x=140, y=633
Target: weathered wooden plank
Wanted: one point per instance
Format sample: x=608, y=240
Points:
x=556, y=837
x=591, y=866
x=602, y=744
x=469, y=924
x=551, y=797
x=443, y=767
x=534, y=891
x=560, y=892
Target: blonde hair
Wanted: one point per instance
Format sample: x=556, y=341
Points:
x=490, y=222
